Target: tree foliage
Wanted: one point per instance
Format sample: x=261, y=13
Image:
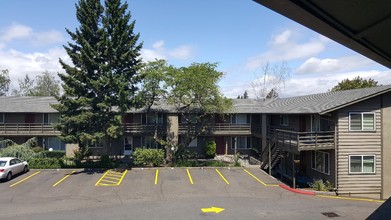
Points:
x=100, y=85
x=4, y=82
x=45, y=84
x=356, y=83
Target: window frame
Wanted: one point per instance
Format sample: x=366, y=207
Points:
x=284, y=120
x=362, y=121
x=313, y=162
x=362, y=163
x=247, y=141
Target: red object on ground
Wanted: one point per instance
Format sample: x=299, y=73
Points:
x=297, y=190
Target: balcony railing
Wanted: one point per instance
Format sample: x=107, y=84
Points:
x=28, y=129
x=218, y=128
x=300, y=141
x=144, y=128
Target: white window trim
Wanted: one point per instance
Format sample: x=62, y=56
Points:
x=362, y=165
x=362, y=121
x=314, y=168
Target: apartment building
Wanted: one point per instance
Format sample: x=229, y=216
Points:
x=342, y=137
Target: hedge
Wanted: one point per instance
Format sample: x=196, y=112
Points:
x=148, y=157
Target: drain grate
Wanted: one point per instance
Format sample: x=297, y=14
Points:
x=330, y=214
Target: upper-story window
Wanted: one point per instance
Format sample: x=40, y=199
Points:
x=153, y=118
x=240, y=119
x=284, y=120
x=361, y=121
x=2, y=118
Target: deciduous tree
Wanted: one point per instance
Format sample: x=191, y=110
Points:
x=4, y=82
x=356, y=83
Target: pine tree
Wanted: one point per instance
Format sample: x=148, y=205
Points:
x=101, y=84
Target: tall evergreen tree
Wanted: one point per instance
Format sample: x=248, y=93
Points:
x=101, y=84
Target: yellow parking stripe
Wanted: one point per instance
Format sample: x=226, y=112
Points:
x=97, y=183
x=188, y=174
x=69, y=174
x=111, y=178
x=222, y=177
x=25, y=178
x=156, y=176
x=253, y=176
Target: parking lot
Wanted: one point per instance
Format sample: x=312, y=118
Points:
x=165, y=193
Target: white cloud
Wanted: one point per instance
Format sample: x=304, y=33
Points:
x=20, y=63
x=26, y=33
x=16, y=31
x=159, y=51
x=328, y=65
x=285, y=47
x=315, y=83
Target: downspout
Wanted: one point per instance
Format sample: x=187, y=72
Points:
x=336, y=153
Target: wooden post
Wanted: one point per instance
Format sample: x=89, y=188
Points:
x=270, y=159
x=293, y=172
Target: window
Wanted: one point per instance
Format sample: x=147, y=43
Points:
x=361, y=121
x=153, y=118
x=361, y=163
x=1, y=118
x=320, y=161
x=128, y=143
x=241, y=142
x=240, y=119
x=284, y=120
x=150, y=143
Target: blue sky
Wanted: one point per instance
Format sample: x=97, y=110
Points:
x=241, y=35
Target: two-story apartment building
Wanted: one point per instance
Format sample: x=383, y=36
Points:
x=343, y=137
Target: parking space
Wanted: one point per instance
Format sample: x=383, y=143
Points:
x=39, y=191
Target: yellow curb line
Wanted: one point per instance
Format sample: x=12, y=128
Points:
x=25, y=178
x=188, y=174
x=349, y=198
x=252, y=175
x=156, y=176
x=221, y=175
x=69, y=174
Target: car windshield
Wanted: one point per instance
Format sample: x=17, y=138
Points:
x=2, y=163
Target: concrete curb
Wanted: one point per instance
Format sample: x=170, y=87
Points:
x=299, y=191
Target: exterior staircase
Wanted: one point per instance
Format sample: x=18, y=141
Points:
x=275, y=154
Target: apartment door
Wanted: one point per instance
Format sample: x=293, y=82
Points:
x=220, y=145
x=302, y=123
x=128, y=146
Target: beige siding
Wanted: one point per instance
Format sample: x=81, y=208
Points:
x=386, y=151
x=358, y=143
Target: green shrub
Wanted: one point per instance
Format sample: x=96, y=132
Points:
x=55, y=154
x=20, y=151
x=319, y=185
x=67, y=162
x=148, y=157
x=37, y=149
x=186, y=163
x=210, y=149
x=44, y=163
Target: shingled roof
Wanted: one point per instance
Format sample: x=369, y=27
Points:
x=27, y=104
x=320, y=103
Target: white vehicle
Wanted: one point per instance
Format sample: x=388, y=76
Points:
x=10, y=166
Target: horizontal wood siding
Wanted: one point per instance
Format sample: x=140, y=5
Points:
x=359, y=143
